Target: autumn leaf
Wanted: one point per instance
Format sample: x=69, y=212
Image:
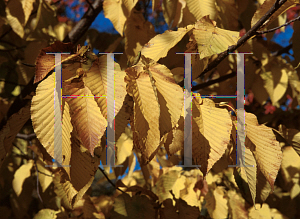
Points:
x=117, y=11
x=46, y=62
x=42, y=114
x=17, y=14
x=265, y=148
x=211, y=39
x=86, y=116
x=137, y=32
x=202, y=8
x=159, y=46
x=216, y=203
x=157, y=104
x=96, y=80
x=21, y=175
x=211, y=132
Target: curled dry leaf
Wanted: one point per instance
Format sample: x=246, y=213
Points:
x=46, y=62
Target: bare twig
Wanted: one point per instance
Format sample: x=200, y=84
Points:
x=28, y=137
x=108, y=179
x=251, y=33
x=283, y=50
x=276, y=28
x=28, y=65
x=220, y=79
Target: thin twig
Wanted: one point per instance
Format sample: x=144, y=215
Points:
x=251, y=33
x=28, y=65
x=26, y=137
x=108, y=179
x=283, y=50
x=276, y=28
x=220, y=79
x=20, y=150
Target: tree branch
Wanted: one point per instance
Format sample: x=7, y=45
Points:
x=108, y=179
x=76, y=33
x=276, y=28
x=86, y=21
x=220, y=79
x=251, y=33
x=283, y=50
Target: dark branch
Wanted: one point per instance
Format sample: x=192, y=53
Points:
x=276, y=28
x=108, y=179
x=220, y=79
x=283, y=50
x=83, y=25
x=76, y=33
x=251, y=33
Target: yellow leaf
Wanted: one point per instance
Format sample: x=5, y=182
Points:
x=172, y=11
x=96, y=80
x=11, y=129
x=200, y=8
x=293, y=138
x=237, y=205
x=260, y=212
x=216, y=203
x=211, y=39
x=83, y=167
x=275, y=79
x=211, y=132
x=44, y=175
x=137, y=33
x=153, y=81
x=46, y=214
x=21, y=175
x=124, y=148
x=117, y=11
x=145, y=124
x=170, y=97
x=266, y=149
x=17, y=14
x=171, y=180
x=159, y=46
x=42, y=116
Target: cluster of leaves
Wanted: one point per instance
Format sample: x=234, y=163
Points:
x=148, y=96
